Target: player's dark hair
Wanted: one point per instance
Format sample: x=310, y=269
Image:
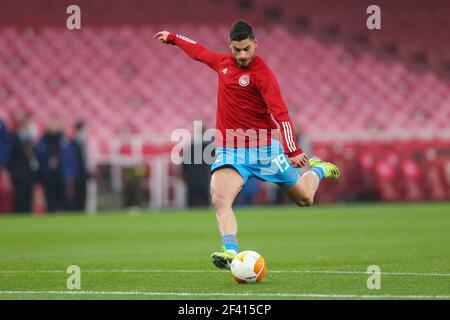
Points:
x=241, y=30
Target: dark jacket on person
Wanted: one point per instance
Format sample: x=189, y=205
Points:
x=4, y=144
x=56, y=157
x=22, y=163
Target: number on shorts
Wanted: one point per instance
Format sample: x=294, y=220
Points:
x=281, y=162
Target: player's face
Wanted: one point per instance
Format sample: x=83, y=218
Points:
x=243, y=51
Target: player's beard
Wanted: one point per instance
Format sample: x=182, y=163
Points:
x=244, y=63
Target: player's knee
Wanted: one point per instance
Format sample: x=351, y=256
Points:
x=304, y=202
x=219, y=201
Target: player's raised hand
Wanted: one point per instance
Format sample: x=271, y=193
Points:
x=162, y=36
x=299, y=161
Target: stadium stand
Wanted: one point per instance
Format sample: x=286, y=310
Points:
x=115, y=74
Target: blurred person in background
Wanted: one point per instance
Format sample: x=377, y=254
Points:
x=57, y=162
x=249, y=193
x=22, y=163
x=81, y=170
x=133, y=186
x=5, y=199
x=196, y=175
x=4, y=143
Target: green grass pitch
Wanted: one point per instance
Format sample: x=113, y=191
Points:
x=321, y=252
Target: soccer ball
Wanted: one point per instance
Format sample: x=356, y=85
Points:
x=248, y=267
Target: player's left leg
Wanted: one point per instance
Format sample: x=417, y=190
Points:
x=303, y=191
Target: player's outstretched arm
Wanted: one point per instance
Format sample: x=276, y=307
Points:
x=193, y=49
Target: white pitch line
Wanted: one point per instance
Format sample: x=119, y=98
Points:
x=430, y=274
x=193, y=294
x=31, y=271
x=362, y=272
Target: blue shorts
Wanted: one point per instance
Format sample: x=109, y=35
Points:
x=267, y=163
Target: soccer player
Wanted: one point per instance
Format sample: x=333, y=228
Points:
x=249, y=100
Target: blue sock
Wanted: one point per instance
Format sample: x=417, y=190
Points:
x=230, y=242
x=319, y=171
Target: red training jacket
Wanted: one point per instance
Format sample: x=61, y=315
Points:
x=248, y=99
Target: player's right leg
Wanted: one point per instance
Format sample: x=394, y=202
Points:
x=225, y=186
x=303, y=191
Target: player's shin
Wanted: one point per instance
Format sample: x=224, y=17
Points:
x=311, y=180
x=228, y=229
